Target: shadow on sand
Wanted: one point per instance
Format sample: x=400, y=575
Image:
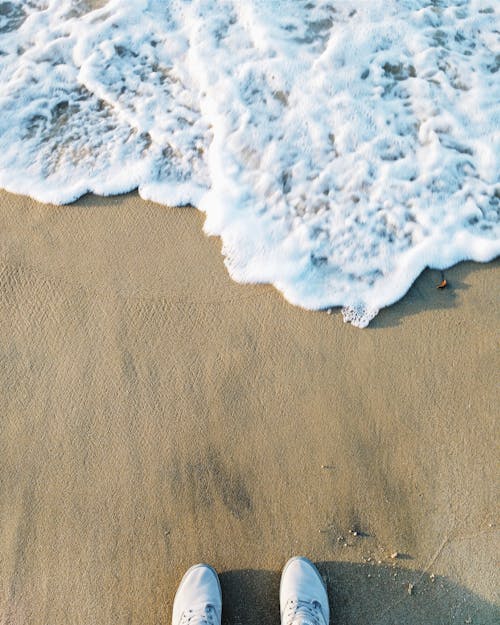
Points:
x=360, y=594
x=424, y=295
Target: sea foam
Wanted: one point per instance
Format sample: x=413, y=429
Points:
x=337, y=147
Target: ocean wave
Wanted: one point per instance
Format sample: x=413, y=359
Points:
x=337, y=148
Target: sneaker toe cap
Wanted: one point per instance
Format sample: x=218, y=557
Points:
x=199, y=586
x=301, y=580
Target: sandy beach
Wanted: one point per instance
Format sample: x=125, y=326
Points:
x=154, y=414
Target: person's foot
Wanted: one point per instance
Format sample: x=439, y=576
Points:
x=303, y=598
x=198, y=600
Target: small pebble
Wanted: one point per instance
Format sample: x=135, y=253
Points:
x=395, y=555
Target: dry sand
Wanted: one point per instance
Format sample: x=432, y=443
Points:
x=154, y=414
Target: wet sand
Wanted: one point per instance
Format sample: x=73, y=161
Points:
x=154, y=414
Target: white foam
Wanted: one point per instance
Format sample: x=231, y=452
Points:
x=338, y=148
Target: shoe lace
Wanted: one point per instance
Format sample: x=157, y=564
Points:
x=300, y=612
x=204, y=615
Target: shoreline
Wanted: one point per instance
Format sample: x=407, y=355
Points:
x=156, y=414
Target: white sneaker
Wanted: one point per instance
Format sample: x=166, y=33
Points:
x=198, y=600
x=303, y=598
